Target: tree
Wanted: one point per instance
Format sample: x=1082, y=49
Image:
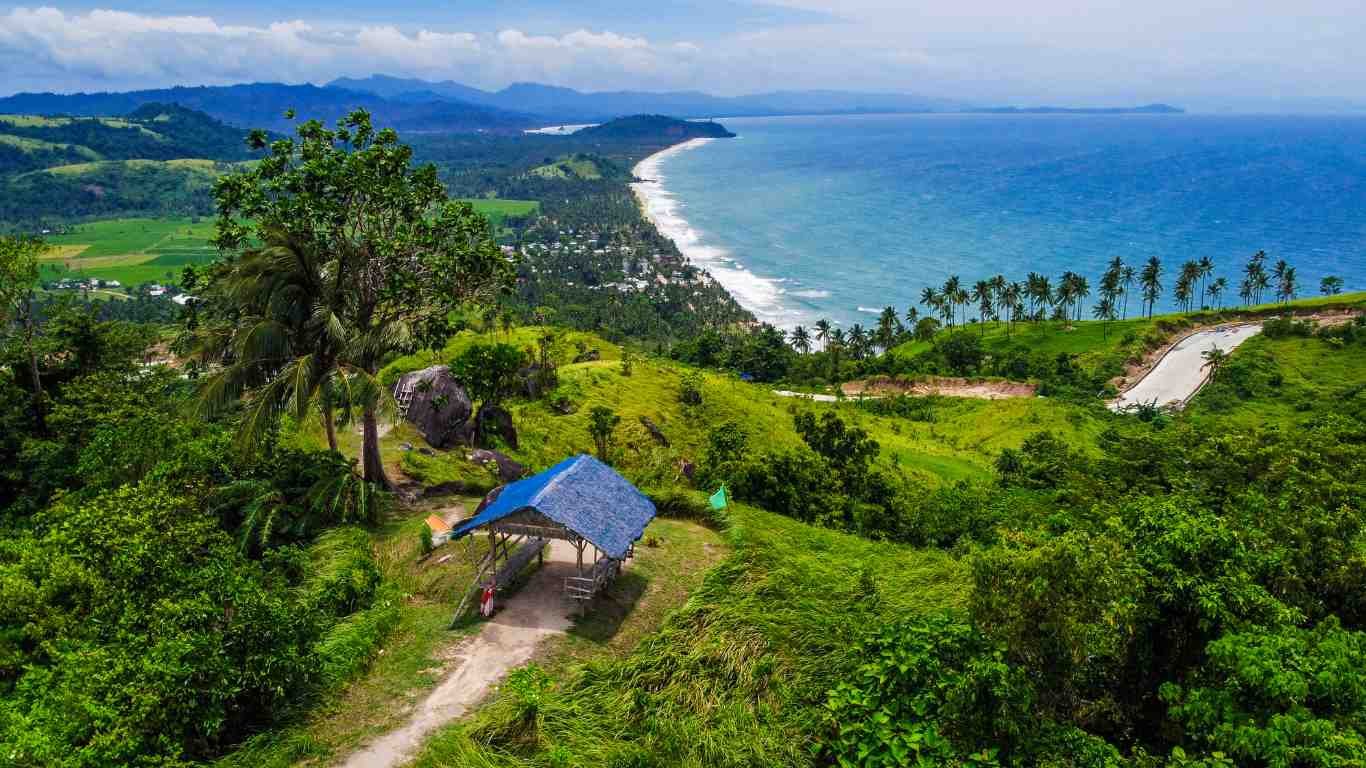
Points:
x=18, y=275
x=490, y=372
x=983, y=294
x=823, y=331
x=800, y=339
x=1214, y=358
x=1126, y=281
x=889, y=329
x=389, y=259
x=1104, y=311
x=1206, y=271
x=1150, y=280
x=1330, y=286
x=602, y=421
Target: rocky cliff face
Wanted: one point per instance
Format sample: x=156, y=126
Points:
x=440, y=407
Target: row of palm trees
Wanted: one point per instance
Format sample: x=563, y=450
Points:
x=1038, y=298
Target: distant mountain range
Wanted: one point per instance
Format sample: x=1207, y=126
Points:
x=422, y=106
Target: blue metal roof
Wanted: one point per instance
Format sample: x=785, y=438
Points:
x=580, y=493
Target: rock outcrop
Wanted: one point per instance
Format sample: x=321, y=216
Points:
x=440, y=406
x=508, y=469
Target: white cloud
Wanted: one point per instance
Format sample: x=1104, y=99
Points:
x=120, y=49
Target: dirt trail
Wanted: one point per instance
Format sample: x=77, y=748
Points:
x=536, y=612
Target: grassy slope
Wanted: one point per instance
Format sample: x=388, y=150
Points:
x=1313, y=371
x=422, y=649
x=961, y=444
x=1090, y=340
x=737, y=675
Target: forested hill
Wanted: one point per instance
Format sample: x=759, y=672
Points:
x=263, y=105
x=655, y=127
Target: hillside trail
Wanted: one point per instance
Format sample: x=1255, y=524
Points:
x=534, y=614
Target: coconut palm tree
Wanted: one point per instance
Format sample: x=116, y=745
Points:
x=800, y=339
x=912, y=317
x=1126, y=281
x=951, y=290
x=889, y=328
x=1081, y=290
x=1216, y=290
x=858, y=341
x=1012, y=302
x=822, y=331
x=1189, y=275
x=1206, y=271
x=1330, y=286
x=1214, y=360
x=998, y=289
x=1287, y=286
x=985, y=298
x=1150, y=279
x=1104, y=311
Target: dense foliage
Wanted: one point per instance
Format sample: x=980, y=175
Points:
x=1187, y=596
x=161, y=595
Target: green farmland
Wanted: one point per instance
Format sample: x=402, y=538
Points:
x=132, y=251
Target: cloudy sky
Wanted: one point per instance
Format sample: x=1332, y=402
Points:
x=1243, y=55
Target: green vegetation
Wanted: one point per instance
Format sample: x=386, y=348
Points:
x=131, y=251
x=898, y=581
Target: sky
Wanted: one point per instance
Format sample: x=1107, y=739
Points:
x=1206, y=55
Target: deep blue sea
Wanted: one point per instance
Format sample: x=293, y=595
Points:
x=809, y=217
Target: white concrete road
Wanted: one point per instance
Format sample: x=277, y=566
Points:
x=1181, y=372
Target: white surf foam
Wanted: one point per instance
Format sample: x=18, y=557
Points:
x=760, y=295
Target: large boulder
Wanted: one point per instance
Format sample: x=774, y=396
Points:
x=508, y=469
x=495, y=421
x=440, y=406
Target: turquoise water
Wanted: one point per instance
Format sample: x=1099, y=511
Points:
x=837, y=217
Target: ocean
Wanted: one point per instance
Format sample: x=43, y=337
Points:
x=804, y=218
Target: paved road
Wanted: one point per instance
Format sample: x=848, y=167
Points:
x=1182, y=372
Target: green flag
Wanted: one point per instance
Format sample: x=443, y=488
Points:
x=718, y=499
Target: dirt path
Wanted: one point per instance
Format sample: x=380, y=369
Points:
x=509, y=640
x=1180, y=373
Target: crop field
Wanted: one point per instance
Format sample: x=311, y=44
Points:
x=497, y=209
x=131, y=251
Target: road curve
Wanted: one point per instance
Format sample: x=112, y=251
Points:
x=1181, y=372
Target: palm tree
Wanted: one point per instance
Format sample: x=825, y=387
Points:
x=858, y=340
x=1011, y=301
x=888, y=328
x=800, y=339
x=1216, y=290
x=1150, y=279
x=932, y=300
x=1206, y=270
x=1246, y=291
x=952, y=289
x=1081, y=290
x=1190, y=274
x=1104, y=311
x=1042, y=294
x=1182, y=292
x=1330, y=286
x=1255, y=277
x=998, y=289
x=983, y=295
x=1126, y=281
x=1288, y=285
x=822, y=331
x=1214, y=360
x=912, y=317
x=275, y=348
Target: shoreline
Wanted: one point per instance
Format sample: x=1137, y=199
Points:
x=760, y=296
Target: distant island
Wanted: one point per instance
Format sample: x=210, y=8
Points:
x=1147, y=109
x=652, y=127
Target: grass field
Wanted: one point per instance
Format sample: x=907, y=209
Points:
x=132, y=251
x=205, y=167
x=498, y=209
x=1286, y=381
x=961, y=443
x=25, y=144
x=736, y=676
x=421, y=649
x=1091, y=340
x=569, y=167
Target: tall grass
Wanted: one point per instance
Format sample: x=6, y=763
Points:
x=737, y=676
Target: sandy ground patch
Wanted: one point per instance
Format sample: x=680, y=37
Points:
x=536, y=613
x=884, y=386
